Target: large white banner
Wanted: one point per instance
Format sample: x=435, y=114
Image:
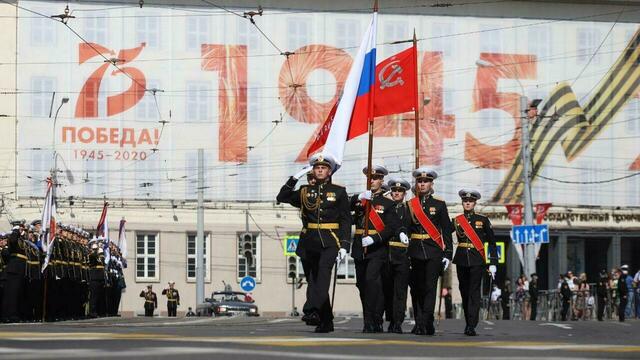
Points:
x=153, y=85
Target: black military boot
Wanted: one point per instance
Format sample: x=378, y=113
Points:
x=429, y=329
x=470, y=331
x=368, y=328
x=396, y=328
x=313, y=319
x=325, y=327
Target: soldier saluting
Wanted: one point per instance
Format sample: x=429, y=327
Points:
x=173, y=299
x=370, y=250
x=430, y=248
x=150, y=301
x=324, y=209
x=473, y=231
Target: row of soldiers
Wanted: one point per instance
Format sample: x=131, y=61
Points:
x=75, y=278
x=401, y=244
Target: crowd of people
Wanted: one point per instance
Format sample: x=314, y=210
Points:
x=76, y=276
x=615, y=294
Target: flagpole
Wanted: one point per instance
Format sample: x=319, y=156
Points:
x=370, y=150
x=416, y=111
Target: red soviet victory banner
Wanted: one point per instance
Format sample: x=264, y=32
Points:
x=541, y=211
x=515, y=213
x=396, y=84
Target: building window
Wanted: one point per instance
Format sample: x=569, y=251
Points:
x=395, y=31
x=347, y=34
x=248, y=255
x=197, y=32
x=197, y=102
x=146, y=109
x=441, y=33
x=96, y=176
x=42, y=32
x=41, y=162
x=587, y=42
x=347, y=269
x=42, y=88
x=95, y=29
x=490, y=39
x=539, y=41
x=148, y=31
x=191, y=257
x=147, y=256
x=299, y=33
x=248, y=35
x=147, y=179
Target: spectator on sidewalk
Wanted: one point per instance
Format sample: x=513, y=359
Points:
x=496, y=294
x=533, y=296
x=636, y=285
x=582, y=295
x=565, y=296
x=602, y=292
x=629, y=282
x=623, y=294
x=505, y=299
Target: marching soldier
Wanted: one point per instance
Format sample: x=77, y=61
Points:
x=173, y=299
x=473, y=231
x=96, y=281
x=396, y=277
x=150, y=301
x=15, y=273
x=4, y=258
x=370, y=249
x=324, y=209
x=430, y=248
x=33, y=280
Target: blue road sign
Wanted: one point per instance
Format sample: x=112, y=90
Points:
x=530, y=234
x=247, y=283
x=290, y=245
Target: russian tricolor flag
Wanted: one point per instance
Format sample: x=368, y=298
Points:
x=355, y=107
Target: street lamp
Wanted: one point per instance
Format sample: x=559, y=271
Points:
x=54, y=169
x=529, y=255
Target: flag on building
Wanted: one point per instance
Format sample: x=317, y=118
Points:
x=541, y=211
x=48, y=223
x=395, y=87
x=514, y=211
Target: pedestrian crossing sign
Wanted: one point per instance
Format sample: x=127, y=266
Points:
x=290, y=245
x=499, y=248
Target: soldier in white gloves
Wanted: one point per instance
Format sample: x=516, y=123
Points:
x=430, y=248
x=473, y=231
x=396, y=274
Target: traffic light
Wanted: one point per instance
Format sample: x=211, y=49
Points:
x=246, y=246
x=292, y=267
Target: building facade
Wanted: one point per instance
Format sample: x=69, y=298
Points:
x=147, y=87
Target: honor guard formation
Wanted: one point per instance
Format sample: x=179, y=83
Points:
x=398, y=243
x=77, y=277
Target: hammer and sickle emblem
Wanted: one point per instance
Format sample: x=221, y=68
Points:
x=387, y=81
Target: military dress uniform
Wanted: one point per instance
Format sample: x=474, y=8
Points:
x=396, y=275
x=97, y=298
x=4, y=258
x=173, y=300
x=150, y=301
x=426, y=255
x=15, y=271
x=370, y=261
x=471, y=264
x=33, y=283
x=324, y=209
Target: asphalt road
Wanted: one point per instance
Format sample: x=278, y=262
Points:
x=287, y=338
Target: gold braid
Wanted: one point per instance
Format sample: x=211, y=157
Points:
x=306, y=203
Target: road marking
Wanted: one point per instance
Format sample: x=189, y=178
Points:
x=488, y=322
x=346, y=320
x=562, y=326
x=26, y=354
x=276, y=321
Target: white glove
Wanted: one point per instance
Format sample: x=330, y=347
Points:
x=404, y=238
x=365, y=195
x=302, y=172
x=342, y=253
x=445, y=264
x=366, y=241
x=492, y=271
